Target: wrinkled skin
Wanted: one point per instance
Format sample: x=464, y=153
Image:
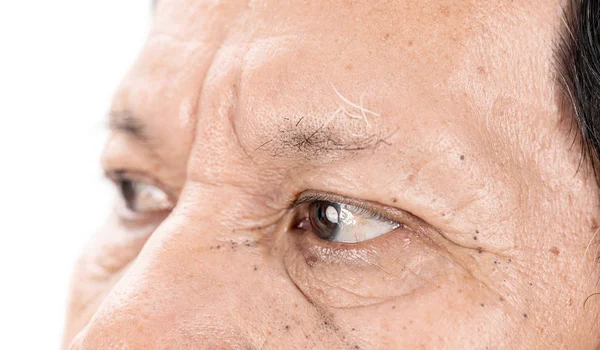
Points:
x=466, y=147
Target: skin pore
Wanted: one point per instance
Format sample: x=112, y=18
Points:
x=439, y=121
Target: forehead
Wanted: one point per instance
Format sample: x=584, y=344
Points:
x=445, y=58
x=438, y=75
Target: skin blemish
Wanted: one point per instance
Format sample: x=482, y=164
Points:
x=255, y=268
x=462, y=157
x=410, y=43
x=394, y=200
x=502, y=298
x=555, y=251
x=482, y=305
x=386, y=36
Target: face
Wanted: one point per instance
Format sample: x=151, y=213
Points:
x=342, y=175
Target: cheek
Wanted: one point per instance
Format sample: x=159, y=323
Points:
x=106, y=258
x=400, y=291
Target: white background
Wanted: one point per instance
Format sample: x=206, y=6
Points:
x=60, y=61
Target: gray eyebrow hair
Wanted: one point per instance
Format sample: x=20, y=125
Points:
x=128, y=123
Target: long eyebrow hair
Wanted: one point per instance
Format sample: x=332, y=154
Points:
x=578, y=63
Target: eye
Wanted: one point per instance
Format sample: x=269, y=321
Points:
x=138, y=196
x=344, y=223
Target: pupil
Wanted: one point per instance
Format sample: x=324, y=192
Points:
x=324, y=219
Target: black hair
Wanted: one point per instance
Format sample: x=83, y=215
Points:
x=578, y=62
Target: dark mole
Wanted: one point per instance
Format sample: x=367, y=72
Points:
x=475, y=238
x=496, y=262
x=356, y=347
x=509, y=261
x=477, y=231
x=255, y=268
x=462, y=157
x=501, y=298
x=482, y=305
x=287, y=328
x=525, y=315
x=394, y=200
x=531, y=283
x=218, y=246
x=353, y=329
x=479, y=250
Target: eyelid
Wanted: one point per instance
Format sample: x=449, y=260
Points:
x=379, y=210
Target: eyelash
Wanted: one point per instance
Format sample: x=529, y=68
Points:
x=370, y=211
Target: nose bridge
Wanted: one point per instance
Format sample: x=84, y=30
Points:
x=191, y=277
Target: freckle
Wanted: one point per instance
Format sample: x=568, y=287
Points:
x=445, y=10
x=386, y=36
x=219, y=247
x=349, y=67
x=501, y=298
x=410, y=43
x=482, y=305
x=555, y=251
x=255, y=268
x=353, y=329
x=393, y=307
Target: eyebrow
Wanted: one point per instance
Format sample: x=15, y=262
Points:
x=128, y=123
